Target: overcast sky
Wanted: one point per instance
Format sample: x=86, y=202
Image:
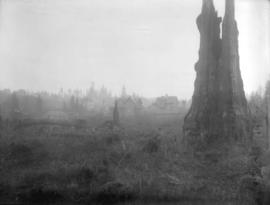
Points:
x=150, y=46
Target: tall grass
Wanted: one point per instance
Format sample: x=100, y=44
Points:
x=51, y=163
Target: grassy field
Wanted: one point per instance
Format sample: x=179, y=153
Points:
x=140, y=160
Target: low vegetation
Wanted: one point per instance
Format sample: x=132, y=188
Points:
x=142, y=158
x=51, y=163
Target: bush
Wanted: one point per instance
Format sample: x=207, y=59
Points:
x=251, y=190
x=20, y=154
x=114, y=192
x=40, y=195
x=70, y=183
x=112, y=139
x=152, y=145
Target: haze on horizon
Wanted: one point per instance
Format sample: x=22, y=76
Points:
x=150, y=47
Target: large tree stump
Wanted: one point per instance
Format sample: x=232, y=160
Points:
x=219, y=112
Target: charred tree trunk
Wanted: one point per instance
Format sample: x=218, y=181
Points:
x=219, y=112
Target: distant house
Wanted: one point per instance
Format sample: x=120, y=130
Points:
x=129, y=106
x=166, y=104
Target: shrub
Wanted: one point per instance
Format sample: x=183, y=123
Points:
x=152, y=145
x=112, y=139
x=20, y=154
x=25, y=154
x=251, y=190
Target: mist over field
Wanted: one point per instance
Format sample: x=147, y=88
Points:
x=148, y=46
x=135, y=102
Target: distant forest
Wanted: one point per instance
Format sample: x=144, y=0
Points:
x=78, y=104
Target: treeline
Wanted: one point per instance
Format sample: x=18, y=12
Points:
x=78, y=104
x=259, y=103
x=22, y=104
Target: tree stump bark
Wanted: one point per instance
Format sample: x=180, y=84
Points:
x=219, y=112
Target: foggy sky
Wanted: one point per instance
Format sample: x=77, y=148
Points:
x=150, y=46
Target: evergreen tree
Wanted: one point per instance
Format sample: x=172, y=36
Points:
x=14, y=102
x=124, y=92
x=64, y=107
x=1, y=120
x=116, y=114
x=14, y=107
x=77, y=105
x=72, y=104
x=39, y=106
x=267, y=100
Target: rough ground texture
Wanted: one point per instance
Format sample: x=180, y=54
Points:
x=219, y=110
x=51, y=164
